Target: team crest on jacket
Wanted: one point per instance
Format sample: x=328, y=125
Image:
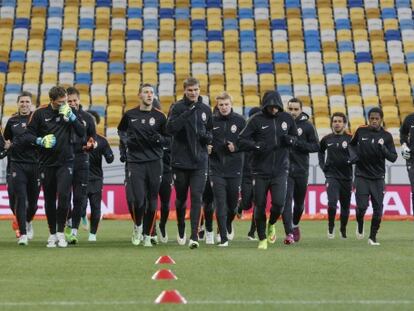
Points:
x=24, y=124
x=152, y=121
x=381, y=141
x=233, y=128
x=344, y=144
x=300, y=131
x=84, y=123
x=203, y=116
x=284, y=126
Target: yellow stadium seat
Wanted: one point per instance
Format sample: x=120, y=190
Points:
x=354, y=100
x=135, y=23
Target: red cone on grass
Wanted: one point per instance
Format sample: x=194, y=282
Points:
x=165, y=260
x=170, y=296
x=164, y=274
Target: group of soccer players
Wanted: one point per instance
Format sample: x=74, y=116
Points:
x=214, y=157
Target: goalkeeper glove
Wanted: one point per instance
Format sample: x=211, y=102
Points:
x=67, y=113
x=48, y=141
x=405, y=152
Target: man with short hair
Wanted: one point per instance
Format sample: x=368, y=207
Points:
x=226, y=162
x=337, y=168
x=24, y=169
x=269, y=134
x=142, y=131
x=190, y=126
x=83, y=145
x=306, y=143
x=372, y=145
x=52, y=129
x=95, y=177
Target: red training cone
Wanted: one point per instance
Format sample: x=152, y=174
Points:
x=165, y=260
x=164, y=274
x=170, y=296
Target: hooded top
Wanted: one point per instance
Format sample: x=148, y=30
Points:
x=306, y=143
x=269, y=137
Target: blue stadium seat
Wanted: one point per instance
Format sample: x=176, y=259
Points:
x=17, y=56
x=281, y=58
x=166, y=13
x=312, y=46
x=261, y=4
x=103, y=3
x=3, y=67
x=246, y=13
x=343, y=24
x=166, y=68
x=292, y=4
x=246, y=35
x=402, y=3
x=265, y=68
x=134, y=13
x=13, y=88
x=213, y=3
x=388, y=13
x=308, y=13
x=55, y=11
x=350, y=78
x=215, y=57
x=83, y=78
x=86, y=23
x=134, y=35
x=198, y=24
x=21, y=23
x=355, y=3
x=214, y=35
x=410, y=58
x=381, y=68
x=392, y=35
x=248, y=46
x=151, y=23
x=100, y=57
x=150, y=3
x=85, y=45
x=117, y=67
x=331, y=68
x=231, y=24
x=66, y=67
x=345, y=46
x=363, y=57
x=182, y=13
x=279, y=24
x=198, y=35
x=198, y=4
x=285, y=89
x=406, y=24
x=149, y=57
x=36, y=3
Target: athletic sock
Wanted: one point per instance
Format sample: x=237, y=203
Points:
x=331, y=218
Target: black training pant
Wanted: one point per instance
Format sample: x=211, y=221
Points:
x=226, y=195
x=10, y=191
x=79, y=188
x=165, y=196
x=56, y=182
x=208, y=199
x=410, y=170
x=246, y=201
x=338, y=190
x=296, y=192
x=277, y=188
x=196, y=181
x=26, y=187
x=145, y=179
x=95, y=198
x=366, y=189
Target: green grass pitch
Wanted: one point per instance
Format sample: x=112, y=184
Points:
x=112, y=274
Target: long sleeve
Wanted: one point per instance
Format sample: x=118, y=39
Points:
x=176, y=121
x=246, y=141
x=321, y=154
x=311, y=144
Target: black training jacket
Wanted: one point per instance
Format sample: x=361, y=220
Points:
x=89, y=124
x=15, y=127
x=95, y=158
x=407, y=132
x=306, y=143
x=226, y=129
x=370, y=153
x=142, y=132
x=46, y=120
x=338, y=159
x=270, y=138
x=190, y=126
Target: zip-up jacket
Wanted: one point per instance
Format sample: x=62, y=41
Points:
x=95, y=158
x=90, y=132
x=407, y=132
x=306, y=143
x=142, y=132
x=46, y=120
x=190, y=125
x=372, y=147
x=269, y=137
x=226, y=129
x=338, y=160
x=15, y=127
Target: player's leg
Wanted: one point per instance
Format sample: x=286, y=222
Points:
x=33, y=190
x=208, y=211
x=246, y=203
x=299, y=194
x=233, y=194
x=261, y=186
x=64, y=175
x=410, y=170
x=10, y=192
x=332, y=190
x=345, y=200
x=278, y=196
x=49, y=185
x=95, y=198
x=165, y=196
x=218, y=185
x=198, y=180
x=377, y=196
x=136, y=179
x=19, y=184
x=181, y=184
x=287, y=212
x=362, y=200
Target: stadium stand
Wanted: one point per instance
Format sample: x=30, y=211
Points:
x=335, y=55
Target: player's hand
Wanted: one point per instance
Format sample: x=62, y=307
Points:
x=90, y=144
x=260, y=146
x=48, y=141
x=7, y=144
x=67, y=113
x=405, y=152
x=123, y=158
x=289, y=140
x=209, y=149
x=231, y=146
x=155, y=138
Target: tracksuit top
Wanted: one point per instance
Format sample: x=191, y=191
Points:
x=407, y=132
x=95, y=158
x=15, y=127
x=89, y=124
x=191, y=133
x=265, y=135
x=226, y=129
x=46, y=120
x=143, y=134
x=306, y=143
x=338, y=160
x=370, y=154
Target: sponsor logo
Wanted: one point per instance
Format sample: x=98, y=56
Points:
x=265, y=127
x=330, y=144
x=14, y=125
x=48, y=119
x=364, y=138
x=216, y=128
x=133, y=120
x=152, y=121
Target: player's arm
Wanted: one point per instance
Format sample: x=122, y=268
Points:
x=311, y=144
x=78, y=125
x=107, y=153
x=32, y=132
x=353, y=147
x=388, y=148
x=123, y=137
x=246, y=141
x=321, y=153
x=3, y=151
x=405, y=131
x=177, y=119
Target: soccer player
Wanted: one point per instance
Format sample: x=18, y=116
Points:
x=269, y=134
x=372, y=145
x=306, y=143
x=83, y=145
x=24, y=170
x=52, y=128
x=142, y=130
x=95, y=181
x=407, y=146
x=190, y=126
x=246, y=201
x=335, y=162
x=226, y=163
